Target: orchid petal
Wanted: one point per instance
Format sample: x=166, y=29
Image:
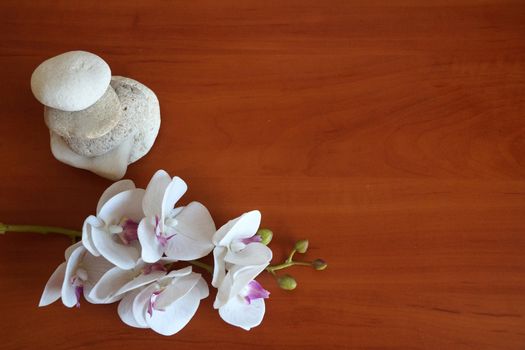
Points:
x=127, y=204
x=69, y=297
x=108, y=285
x=114, y=189
x=95, y=267
x=151, y=248
x=140, y=304
x=139, y=281
x=175, y=190
x=244, y=226
x=195, y=223
x=87, y=241
x=53, y=288
x=218, y=266
x=177, y=290
x=239, y=313
x=203, y=289
x=69, y=250
x=175, y=317
x=177, y=273
x=252, y=254
x=125, y=310
x=124, y=256
x=183, y=248
x=152, y=202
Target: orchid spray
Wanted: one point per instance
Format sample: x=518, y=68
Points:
x=126, y=253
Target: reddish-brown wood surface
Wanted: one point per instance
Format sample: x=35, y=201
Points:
x=390, y=133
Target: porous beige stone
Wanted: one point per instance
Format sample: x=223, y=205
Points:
x=133, y=104
x=92, y=122
x=140, y=119
x=149, y=124
x=132, y=137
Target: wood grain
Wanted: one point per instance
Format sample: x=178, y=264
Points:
x=390, y=133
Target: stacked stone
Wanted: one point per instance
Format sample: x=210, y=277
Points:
x=97, y=122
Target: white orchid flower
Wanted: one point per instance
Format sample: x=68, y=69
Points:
x=237, y=244
x=74, y=277
x=112, y=233
x=240, y=299
x=167, y=305
x=116, y=282
x=182, y=233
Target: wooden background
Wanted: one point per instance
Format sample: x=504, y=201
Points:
x=390, y=133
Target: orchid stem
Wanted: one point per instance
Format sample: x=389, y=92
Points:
x=202, y=265
x=39, y=229
x=273, y=268
x=290, y=257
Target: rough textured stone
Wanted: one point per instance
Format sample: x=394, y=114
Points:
x=92, y=122
x=140, y=119
x=128, y=141
x=71, y=81
x=149, y=125
x=133, y=104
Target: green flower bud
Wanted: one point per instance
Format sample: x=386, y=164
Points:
x=266, y=235
x=287, y=282
x=319, y=264
x=301, y=246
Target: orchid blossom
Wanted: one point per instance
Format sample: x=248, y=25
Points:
x=240, y=299
x=238, y=244
x=182, y=233
x=112, y=233
x=116, y=282
x=128, y=249
x=167, y=305
x=74, y=277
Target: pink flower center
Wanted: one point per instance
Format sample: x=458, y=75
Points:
x=255, y=291
x=79, y=288
x=152, y=301
x=252, y=239
x=153, y=267
x=163, y=239
x=129, y=231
